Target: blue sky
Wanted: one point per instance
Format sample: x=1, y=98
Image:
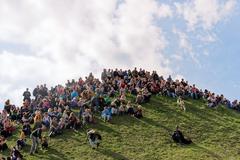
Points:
x=220, y=69
x=52, y=41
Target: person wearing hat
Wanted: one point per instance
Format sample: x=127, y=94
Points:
x=94, y=138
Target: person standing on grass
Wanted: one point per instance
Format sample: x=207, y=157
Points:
x=181, y=103
x=35, y=136
x=94, y=138
x=27, y=95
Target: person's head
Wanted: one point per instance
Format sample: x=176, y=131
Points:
x=44, y=139
x=60, y=110
x=139, y=107
x=7, y=102
x=45, y=114
x=91, y=131
x=177, y=128
x=72, y=114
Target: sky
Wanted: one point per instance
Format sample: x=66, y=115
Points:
x=50, y=41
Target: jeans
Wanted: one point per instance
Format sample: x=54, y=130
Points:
x=35, y=142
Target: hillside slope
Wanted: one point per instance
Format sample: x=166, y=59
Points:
x=215, y=133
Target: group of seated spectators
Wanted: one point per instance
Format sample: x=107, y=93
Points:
x=53, y=108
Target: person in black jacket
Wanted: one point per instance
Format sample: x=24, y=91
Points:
x=35, y=136
x=27, y=95
x=178, y=137
x=94, y=138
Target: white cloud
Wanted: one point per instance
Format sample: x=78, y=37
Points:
x=67, y=39
x=177, y=56
x=183, y=40
x=206, y=53
x=207, y=38
x=204, y=13
x=164, y=11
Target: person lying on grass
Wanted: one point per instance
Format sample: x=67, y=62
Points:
x=94, y=138
x=178, y=137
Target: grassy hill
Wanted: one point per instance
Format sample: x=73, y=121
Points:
x=215, y=133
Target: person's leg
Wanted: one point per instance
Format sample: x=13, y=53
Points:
x=92, y=144
x=184, y=108
x=33, y=145
x=37, y=143
x=108, y=117
x=104, y=118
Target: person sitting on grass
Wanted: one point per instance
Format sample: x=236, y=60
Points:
x=21, y=142
x=15, y=154
x=73, y=122
x=3, y=144
x=94, y=138
x=178, y=137
x=181, y=103
x=26, y=129
x=54, y=130
x=46, y=119
x=138, y=114
x=130, y=109
x=139, y=98
x=87, y=116
x=44, y=142
x=122, y=109
x=106, y=114
x=8, y=128
x=114, y=110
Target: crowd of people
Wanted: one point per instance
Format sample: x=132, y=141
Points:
x=51, y=109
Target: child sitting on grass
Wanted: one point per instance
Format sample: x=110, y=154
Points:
x=21, y=142
x=44, y=142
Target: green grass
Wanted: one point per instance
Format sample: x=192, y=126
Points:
x=215, y=133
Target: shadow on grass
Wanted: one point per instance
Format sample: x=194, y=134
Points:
x=101, y=127
x=209, y=152
x=51, y=154
x=111, y=154
x=161, y=107
x=153, y=123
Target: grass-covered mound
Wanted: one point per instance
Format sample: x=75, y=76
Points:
x=215, y=133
